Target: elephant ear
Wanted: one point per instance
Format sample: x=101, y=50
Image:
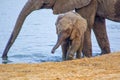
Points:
x=58, y=19
x=74, y=34
x=62, y=6
x=79, y=28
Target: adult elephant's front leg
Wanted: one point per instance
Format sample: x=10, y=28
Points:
x=101, y=34
x=87, y=47
x=88, y=13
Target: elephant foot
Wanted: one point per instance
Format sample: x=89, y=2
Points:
x=70, y=57
x=4, y=59
x=63, y=58
x=87, y=52
x=105, y=51
x=78, y=55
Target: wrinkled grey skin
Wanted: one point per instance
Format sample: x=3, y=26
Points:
x=94, y=11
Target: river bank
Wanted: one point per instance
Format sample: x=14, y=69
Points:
x=105, y=67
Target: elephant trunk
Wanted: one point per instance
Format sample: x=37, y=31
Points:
x=61, y=38
x=28, y=8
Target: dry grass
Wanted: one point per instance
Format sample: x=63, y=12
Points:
x=106, y=67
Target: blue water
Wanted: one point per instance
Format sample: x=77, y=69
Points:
x=38, y=35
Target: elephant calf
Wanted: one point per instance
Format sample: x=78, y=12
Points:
x=70, y=29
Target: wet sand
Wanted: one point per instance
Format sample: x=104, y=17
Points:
x=105, y=67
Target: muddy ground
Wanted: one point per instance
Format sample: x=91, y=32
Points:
x=105, y=67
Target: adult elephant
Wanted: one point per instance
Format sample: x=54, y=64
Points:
x=95, y=11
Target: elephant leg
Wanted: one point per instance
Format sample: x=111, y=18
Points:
x=64, y=46
x=72, y=49
x=87, y=47
x=101, y=34
x=79, y=51
x=88, y=13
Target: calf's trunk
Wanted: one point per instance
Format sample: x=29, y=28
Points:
x=61, y=38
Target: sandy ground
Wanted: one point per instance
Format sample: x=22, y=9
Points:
x=106, y=67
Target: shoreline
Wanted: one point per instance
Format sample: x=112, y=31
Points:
x=105, y=67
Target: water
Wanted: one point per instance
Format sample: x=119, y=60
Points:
x=38, y=35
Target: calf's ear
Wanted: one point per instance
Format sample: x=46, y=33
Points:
x=73, y=34
x=58, y=19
